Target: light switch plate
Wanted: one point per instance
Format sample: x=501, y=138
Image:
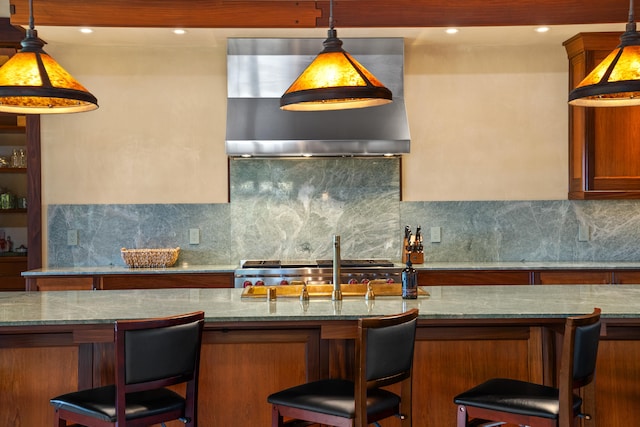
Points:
x=436, y=234
x=194, y=236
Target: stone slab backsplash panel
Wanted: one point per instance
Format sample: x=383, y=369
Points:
x=290, y=209
x=104, y=229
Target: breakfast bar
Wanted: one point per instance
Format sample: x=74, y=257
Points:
x=59, y=341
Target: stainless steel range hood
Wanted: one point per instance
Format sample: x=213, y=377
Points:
x=259, y=71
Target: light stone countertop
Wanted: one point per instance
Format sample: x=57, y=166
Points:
x=230, y=268
x=226, y=305
x=115, y=269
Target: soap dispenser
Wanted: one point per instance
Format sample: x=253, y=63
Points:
x=409, y=282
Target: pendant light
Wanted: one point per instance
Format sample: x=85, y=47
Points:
x=615, y=82
x=32, y=82
x=334, y=81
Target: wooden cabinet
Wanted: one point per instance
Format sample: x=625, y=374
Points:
x=10, y=269
x=528, y=277
x=130, y=281
x=473, y=277
x=13, y=194
x=604, y=143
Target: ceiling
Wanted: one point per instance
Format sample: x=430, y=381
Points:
x=517, y=35
x=210, y=22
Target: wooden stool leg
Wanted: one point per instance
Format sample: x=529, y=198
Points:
x=57, y=422
x=463, y=419
x=276, y=419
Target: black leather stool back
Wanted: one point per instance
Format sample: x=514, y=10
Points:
x=502, y=400
x=150, y=355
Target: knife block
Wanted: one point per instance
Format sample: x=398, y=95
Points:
x=416, y=257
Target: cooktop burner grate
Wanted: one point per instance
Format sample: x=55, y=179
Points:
x=261, y=264
x=356, y=263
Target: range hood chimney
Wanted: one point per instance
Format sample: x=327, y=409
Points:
x=259, y=71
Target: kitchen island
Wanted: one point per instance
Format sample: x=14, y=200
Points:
x=54, y=342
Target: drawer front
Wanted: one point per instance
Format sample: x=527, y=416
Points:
x=475, y=277
x=574, y=278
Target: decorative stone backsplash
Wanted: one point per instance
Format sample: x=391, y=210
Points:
x=290, y=208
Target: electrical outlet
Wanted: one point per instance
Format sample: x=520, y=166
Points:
x=436, y=234
x=72, y=237
x=194, y=236
x=583, y=233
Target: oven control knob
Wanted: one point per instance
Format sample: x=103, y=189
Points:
x=284, y=282
x=246, y=283
x=353, y=281
x=365, y=281
x=260, y=283
x=390, y=280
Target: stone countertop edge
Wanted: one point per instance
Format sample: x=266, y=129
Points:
x=529, y=265
x=493, y=303
x=428, y=266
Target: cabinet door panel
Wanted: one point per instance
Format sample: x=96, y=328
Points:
x=157, y=281
x=616, y=148
x=64, y=284
x=627, y=277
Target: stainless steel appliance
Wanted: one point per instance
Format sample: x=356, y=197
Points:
x=275, y=272
x=259, y=71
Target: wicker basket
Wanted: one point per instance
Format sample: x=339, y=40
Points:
x=155, y=258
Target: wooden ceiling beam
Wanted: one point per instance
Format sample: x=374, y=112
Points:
x=168, y=13
x=312, y=14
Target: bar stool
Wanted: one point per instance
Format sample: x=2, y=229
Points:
x=383, y=356
x=499, y=401
x=150, y=355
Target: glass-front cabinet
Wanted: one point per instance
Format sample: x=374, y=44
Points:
x=13, y=201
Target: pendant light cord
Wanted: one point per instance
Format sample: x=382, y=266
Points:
x=31, y=21
x=331, y=14
x=631, y=25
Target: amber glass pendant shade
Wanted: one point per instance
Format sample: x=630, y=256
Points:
x=615, y=82
x=32, y=82
x=334, y=81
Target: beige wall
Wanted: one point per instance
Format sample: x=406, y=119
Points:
x=487, y=123
x=158, y=136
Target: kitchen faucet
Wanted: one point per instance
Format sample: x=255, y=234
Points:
x=336, y=295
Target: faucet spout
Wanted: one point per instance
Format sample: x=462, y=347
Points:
x=336, y=295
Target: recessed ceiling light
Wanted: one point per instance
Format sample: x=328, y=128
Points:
x=451, y=30
x=542, y=29
x=86, y=30
x=179, y=31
